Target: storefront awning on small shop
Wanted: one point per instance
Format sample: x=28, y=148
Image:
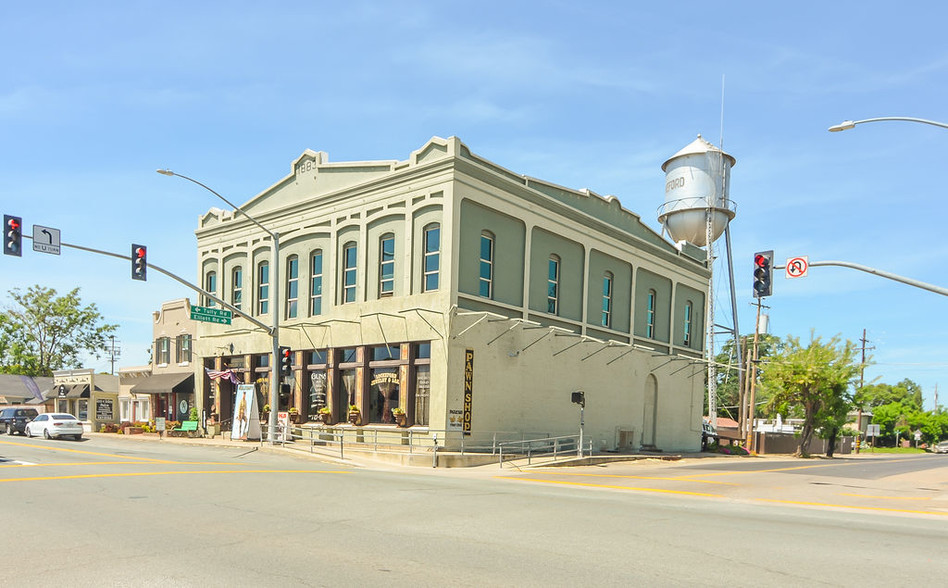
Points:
x=76, y=391
x=165, y=384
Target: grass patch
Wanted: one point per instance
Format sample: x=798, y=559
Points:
x=891, y=450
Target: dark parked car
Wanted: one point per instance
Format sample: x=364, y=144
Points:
x=13, y=420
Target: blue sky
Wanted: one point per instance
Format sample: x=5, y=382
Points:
x=94, y=97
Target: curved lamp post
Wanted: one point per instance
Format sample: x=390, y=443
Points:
x=848, y=124
x=274, y=308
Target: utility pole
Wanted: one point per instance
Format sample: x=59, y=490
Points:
x=751, y=437
x=113, y=351
x=862, y=369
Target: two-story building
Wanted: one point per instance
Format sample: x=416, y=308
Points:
x=473, y=298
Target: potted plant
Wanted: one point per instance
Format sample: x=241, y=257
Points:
x=401, y=419
x=325, y=415
x=355, y=415
x=294, y=415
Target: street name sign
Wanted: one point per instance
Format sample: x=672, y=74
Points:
x=211, y=315
x=46, y=240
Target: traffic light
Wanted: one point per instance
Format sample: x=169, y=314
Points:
x=12, y=235
x=763, y=273
x=139, y=262
x=286, y=362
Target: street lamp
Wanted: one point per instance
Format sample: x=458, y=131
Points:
x=848, y=124
x=274, y=306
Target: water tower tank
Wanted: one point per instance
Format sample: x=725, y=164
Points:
x=696, y=181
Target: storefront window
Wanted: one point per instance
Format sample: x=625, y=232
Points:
x=385, y=353
x=383, y=396
x=348, y=378
x=422, y=393
x=317, y=357
x=83, y=409
x=317, y=391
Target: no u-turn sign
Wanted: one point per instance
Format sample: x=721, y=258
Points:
x=797, y=267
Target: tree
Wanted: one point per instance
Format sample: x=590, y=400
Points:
x=46, y=332
x=728, y=390
x=815, y=380
x=906, y=392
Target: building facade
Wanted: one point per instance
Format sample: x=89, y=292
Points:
x=90, y=397
x=472, y=299
x=167, y=389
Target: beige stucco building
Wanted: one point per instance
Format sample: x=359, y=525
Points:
x=90, y=397
x=473, y=298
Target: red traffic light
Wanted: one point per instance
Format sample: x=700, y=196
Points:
x=139, y=252
x=761, y=260
x=13, y=223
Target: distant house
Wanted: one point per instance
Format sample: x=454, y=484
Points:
x=16, y=389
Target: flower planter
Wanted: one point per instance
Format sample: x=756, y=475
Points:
x=325, y=418
x=355, y=417
x=133, y=430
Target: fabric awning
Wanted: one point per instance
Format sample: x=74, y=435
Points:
x=74, y=391
x=165, y=384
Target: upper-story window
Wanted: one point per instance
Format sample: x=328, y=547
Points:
x=316, y=283
x=163, y=350
x=210, y=285
x=349, y=272
x=236, y=286
x=182, y=352
x=650, y=315
x=686, y=340
x=432, y=262
x=263, y=287
x=486, y=286
x=292, y=286
x=607, y=299
x=553, y=285
x=387, y=265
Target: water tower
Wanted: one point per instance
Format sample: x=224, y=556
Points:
x=697, y=210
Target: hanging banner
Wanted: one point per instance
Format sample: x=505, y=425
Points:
x=246, y=421
x=468, y=389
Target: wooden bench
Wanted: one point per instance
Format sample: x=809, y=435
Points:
x=188, y=428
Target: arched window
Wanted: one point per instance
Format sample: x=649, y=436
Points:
x=387, y=265
x=210, y=285
x=432, y=261
x=650, y=315
x=316, y=283
x=686, y=340
x=349, y=272
x=486, y=286
x=263, y=287
x=292, y=286
x=236, y=286
x=607, y=299
x=553, y=285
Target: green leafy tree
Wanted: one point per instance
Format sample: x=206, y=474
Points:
x=43, y=332
x=906, y=392
x=728, y=386
x=814, y=380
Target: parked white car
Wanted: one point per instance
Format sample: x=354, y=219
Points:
x=941, y=447
x=54, y=425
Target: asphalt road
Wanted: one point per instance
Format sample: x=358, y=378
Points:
x=121, y=512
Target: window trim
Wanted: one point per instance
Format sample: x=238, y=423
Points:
x=315, y=298
x=650, y=314
x=263, y=288
x=430, y=254
x=352, y=270
x=210, y=285
x=553, y=302
x=608, y=283
x=292, y=283
x=383, y=262
x=236, y=286
x=488, y=237
x=689, y=310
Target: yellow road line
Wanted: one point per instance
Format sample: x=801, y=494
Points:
x=742, y=472
x=88, y=463
x=614, y=487
x=34, y=446
x=672, y=479
x=886, y=497
x=851, y=507
x=131, y=474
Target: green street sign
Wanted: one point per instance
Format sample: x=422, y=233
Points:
x=211, y=315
